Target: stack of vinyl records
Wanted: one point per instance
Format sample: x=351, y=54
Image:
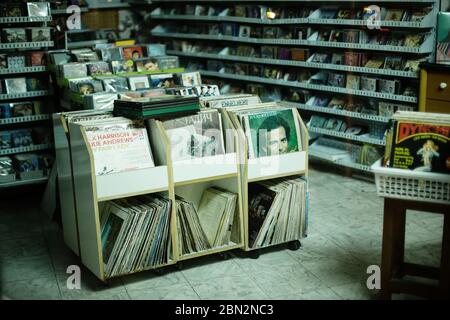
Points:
x=135, y=234
x=163, y=106
x=192, y=238
x=211, y=225
x=277, y=211
x=216, y=212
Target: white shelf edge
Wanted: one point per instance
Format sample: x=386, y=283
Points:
x=344, y=113
x=344, y=163
x=358, y=1
x=302, y=85
x=79, y=44
x=293, y=63
x=229, y=19
x=25, y=19
x=25, y=119
x=31, y=148
x=64, y=11
x=346, y=45
x=20, y=182
x=26, y=45
x=335, y=22
x=347, y=136
x=23, y=70
x=30, y=94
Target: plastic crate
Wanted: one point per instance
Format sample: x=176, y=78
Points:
x=411, y=185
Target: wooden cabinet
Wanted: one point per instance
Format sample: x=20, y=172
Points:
x=434, y=88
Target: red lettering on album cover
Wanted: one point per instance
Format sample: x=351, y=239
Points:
x=406, y=130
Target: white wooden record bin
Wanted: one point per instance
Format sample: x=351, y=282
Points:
x=192, y=177
x=187, y=179
x=91, y=193
x=294, y=164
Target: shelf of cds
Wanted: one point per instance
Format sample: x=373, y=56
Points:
x=424, y=48
x=22, y=119
x=18, y=183
x=25, y=136
x=344, y=113
x=29, y=94
x=26, y=45
x=366, y=55
x=304, y=85
x=348, y=136
x=8, y=20
x=303, y=64
x=226, y=19
x=345, y=163
x=299, y=1
x=30, y=69
x=68, y=12
x=314, y=18
x=29, y=148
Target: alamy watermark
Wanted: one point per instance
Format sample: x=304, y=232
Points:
x=74, y=20
x=372, y=16
x=374, y=280
x=74, y=280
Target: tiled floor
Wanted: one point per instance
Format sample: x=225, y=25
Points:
x=345, y=230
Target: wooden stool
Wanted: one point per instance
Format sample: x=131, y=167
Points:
x=393, y=267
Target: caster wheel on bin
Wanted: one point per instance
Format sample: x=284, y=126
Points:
x=224, y=255
x=294, y=245
x=180, y=265
x=254, y=254
x=160, y=271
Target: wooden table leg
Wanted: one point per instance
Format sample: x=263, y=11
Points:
x=387, y=250
x=399, y=238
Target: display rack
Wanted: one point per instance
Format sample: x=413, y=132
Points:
x=36, y=147
x=158, y=19
x=26, y=45
x=292, y=164
x=39, y=117
x=305, y=85
x=290, y=63
x=34, y=69
x=20, y=122
x=186, y=178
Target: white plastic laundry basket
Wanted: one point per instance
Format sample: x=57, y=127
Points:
x=411, y=185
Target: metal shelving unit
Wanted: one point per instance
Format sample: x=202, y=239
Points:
x=348, y=136
x=309, y=1
x=36, y=147
x=34, y=69
x=14, y=123
x=4, y=20
x=344, y=113
x=344, y=163
x=304, y=85
x=38, y=117
x=229, y=19
x=426, y=47
x=301, y=64
x=23, y=182
x=26, y=45
x=314, y=21
x=56, y=12
x=30, y=94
